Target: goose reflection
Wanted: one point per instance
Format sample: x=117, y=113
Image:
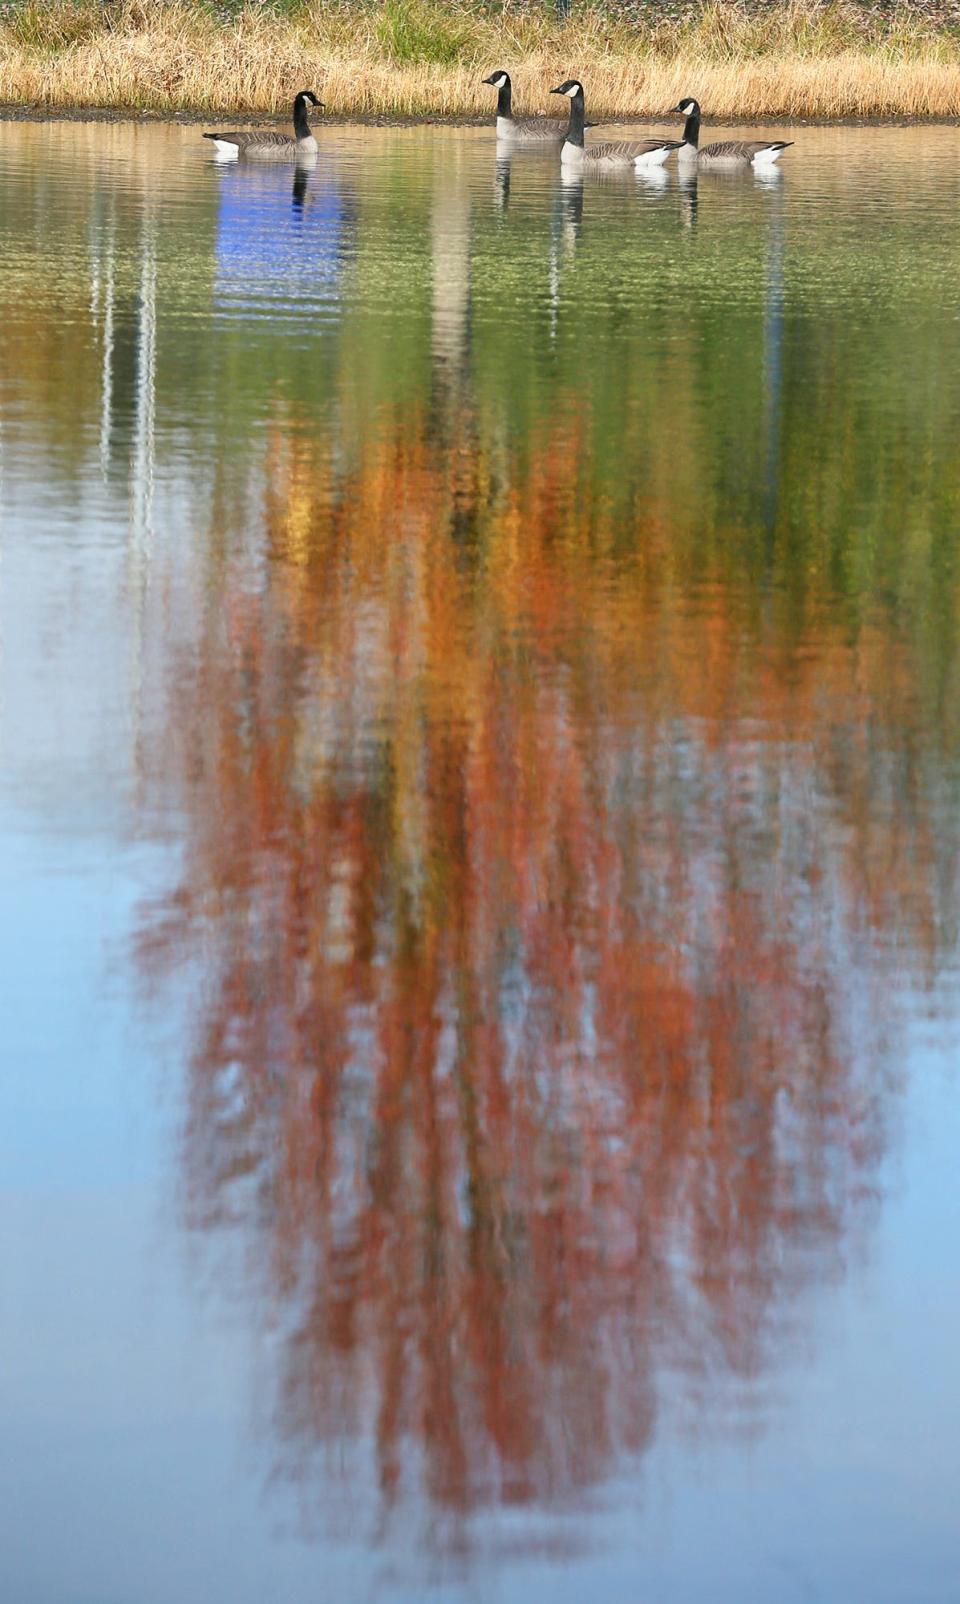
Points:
x=652, y=178
x=569, y=209
x=300, y=177
x=501, y=183
x=687, y=187
x=660, y=181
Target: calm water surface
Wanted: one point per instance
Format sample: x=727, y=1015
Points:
x=480, y=717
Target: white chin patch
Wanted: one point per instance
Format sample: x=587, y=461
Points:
x=499, y=83
x=574, y=91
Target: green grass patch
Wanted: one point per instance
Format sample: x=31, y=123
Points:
x=46, y=27
x=410, y=31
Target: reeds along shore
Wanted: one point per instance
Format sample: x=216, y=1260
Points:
x=421, y=58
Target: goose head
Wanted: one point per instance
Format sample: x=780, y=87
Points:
x=498, y=79
x=685, y=108
x=308, y=94
x=572, y=87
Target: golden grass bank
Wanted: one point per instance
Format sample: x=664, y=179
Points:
x=426, y=59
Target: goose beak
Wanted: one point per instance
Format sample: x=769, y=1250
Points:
x=489, y=80
x=675, y=111
x=557, y=91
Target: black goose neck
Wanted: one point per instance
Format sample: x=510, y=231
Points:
x=691, y=129
x=575, y=130
x=504, y=99
x=300, y=125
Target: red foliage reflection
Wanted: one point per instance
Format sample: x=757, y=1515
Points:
x=539, y=900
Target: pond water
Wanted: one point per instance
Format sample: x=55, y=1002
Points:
x=480, y=719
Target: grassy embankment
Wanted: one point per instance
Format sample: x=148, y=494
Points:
x=423, y=58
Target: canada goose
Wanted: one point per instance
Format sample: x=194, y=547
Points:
x=613, y=153
x=265, y=144
x=524, y=130
x=727, y=152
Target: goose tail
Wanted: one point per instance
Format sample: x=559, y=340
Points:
x=771, y=153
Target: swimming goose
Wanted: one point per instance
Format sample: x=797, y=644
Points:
x=266, y=144
x=613, y=153
x=727, y=152
x=523, y=130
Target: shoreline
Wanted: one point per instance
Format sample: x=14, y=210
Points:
x=405, y=62
x=13, y=113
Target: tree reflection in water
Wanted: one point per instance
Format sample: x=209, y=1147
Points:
x=545, y=900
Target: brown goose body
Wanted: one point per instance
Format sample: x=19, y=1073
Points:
x=724, y=152
x=267, y=144
x=627, y=152
x=742, y=152
x=533, y=130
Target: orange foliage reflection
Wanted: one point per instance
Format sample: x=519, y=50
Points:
x=541, y=898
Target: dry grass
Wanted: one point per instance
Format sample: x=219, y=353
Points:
x=416, y=58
